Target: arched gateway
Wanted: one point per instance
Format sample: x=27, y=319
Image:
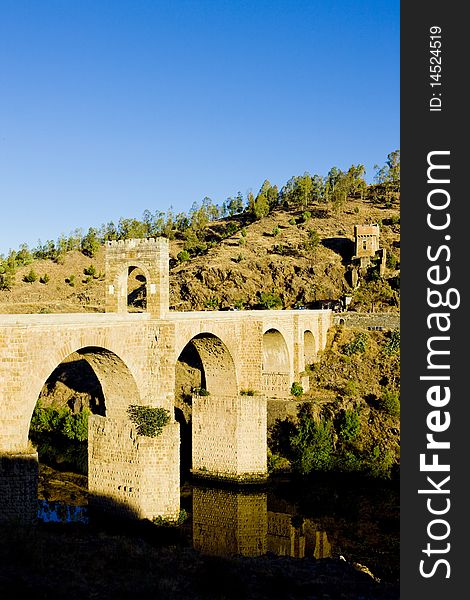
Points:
x=243, y=357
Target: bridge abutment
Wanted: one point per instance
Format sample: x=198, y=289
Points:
x=130, y=475
x=229, y=437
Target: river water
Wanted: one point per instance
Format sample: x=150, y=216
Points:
x=325, y=517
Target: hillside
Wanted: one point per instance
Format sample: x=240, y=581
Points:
x=294, y=257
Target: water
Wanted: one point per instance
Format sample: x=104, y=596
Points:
x=357, y=520
x=59, y=512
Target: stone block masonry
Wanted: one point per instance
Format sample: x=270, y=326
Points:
x=229, y=437
x=149, y=255
x=131, y=475
x=368, y=320
x=19, y=487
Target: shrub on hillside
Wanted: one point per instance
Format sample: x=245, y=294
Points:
x=7, y=279
x=91, y=271
x=296, y=389
x=269, y=300
x=313, y=445
x=390, y=402
x=31, y=277
x=358, y=344
x=349, y=426
x=183, y=256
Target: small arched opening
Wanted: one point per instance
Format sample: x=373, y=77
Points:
x=309, y=348
x=136, y=290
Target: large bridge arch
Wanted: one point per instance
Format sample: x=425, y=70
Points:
x=204, y=365
x=110, y=369
x=276, y=357
x=220, y=375
x=119, y=383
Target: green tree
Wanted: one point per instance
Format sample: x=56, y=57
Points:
x=260, y=205
x=6, y=279
x=234, y=206
x=373, y=295
x=90, y=243
x=349, y=425
x=331, y=180
x=299, y=191
x=390, y=172
x=313, y=445
x=269, y=300
x=23, y=256
x=131, y=228
x=313, y=240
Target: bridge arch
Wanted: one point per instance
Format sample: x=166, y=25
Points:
x=309, y=348
x=118, y=384
x=208, y=353
x=137, y=284
x=131, y=295
x=276, y=367
x=276, y=357
x=205, y=364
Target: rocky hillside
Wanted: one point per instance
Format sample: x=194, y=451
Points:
x=280, y=261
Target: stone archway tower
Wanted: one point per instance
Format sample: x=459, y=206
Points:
x=152, y=256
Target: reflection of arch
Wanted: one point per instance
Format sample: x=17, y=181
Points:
x=218, y=374
x=309, y=347
x=275, y=352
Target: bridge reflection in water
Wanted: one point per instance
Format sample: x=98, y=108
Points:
x=228, y=522
x=225, y=521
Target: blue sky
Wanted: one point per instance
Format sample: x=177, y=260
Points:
x=111, y=107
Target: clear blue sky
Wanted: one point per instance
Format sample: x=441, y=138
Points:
x=111, y=107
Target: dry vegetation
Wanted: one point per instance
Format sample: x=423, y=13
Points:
x=272, y=255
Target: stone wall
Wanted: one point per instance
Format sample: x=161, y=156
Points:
x=19, y=487
x=131, y=475
x=366, y=320
x=229, y=437
x=276, y=385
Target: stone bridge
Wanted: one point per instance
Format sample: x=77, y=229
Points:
x=247, y=357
